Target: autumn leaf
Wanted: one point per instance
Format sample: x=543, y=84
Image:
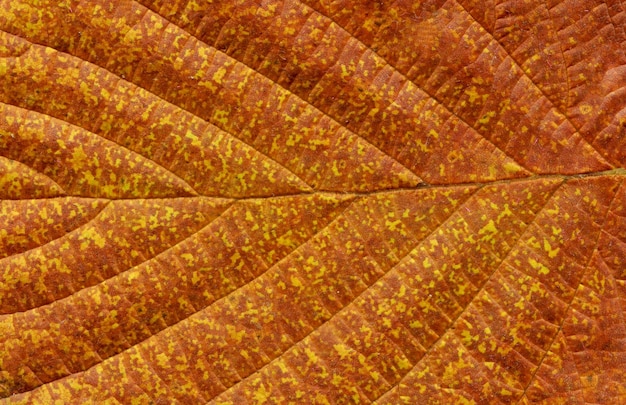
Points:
x=362, y=201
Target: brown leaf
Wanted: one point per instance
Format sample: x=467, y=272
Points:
x=312, y=202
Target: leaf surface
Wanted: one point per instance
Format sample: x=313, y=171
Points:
x=312, y=202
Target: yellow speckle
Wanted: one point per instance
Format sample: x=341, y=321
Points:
x=488, y=231
x=261, y=395
x=485, y=119
x=91, y=235
x=86, y=90
x=460, y=290
x=219, y=75
x=336, y=171
x=541, y=269
x=468, y=338
x=585, y=109
x=188, y=258
x=342, y=350
x=548, y=248
x=233, y=334
x=404, y=363
x=344, y=72
x=473, y=94
x=295, y=281
x=311, y=355
x=416, y=324
x=195, y=141
x=162, y=359
x=393, y=225
x=511, y=167
x=79, y=158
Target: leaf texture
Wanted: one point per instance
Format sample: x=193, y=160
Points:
x=305, y=201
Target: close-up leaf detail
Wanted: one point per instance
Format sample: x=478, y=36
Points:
x=312, y=202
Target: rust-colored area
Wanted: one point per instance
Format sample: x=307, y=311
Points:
x=316, y=202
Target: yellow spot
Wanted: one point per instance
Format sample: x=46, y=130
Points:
x=454, y=156
x=233, y=259
x=96, y=297
x=261, y=395
x=468, y=338
x=295, y=281
x=460, y=290
x=337, y=380
x=485, y=119
x=506, y=213
x=404, y=363
x=548, y=248
x=489, y=231
x=416, y=324
x=392, y=226
x=162, y=359
x=90, y=234
x=79, y=158
x=233, y=334
x=219, y=75
x=209, y=85
x=195, y=141
x=311, y=355
x=318, y=142
x=511, y=167
x=336, y=171
x=585, y=109
x=342, y=350
x=188, y=258
x=104, y=93
x=120, y=105
x=344, y=72
x=86, y=90
x=473, y=94
x=541, y=269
